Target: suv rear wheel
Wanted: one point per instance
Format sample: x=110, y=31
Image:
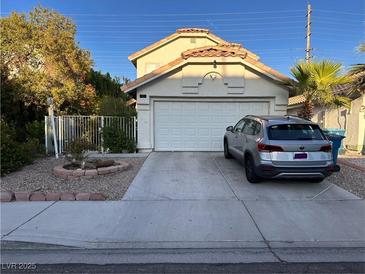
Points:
x=227, y=155
x=251, y=175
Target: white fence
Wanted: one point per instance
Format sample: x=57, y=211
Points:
x=71, y=127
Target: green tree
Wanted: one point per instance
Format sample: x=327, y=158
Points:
x=105, y=85
x=40, y=56
x=115, y=106
x=316, y=82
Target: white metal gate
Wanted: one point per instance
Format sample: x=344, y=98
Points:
x=71, y=127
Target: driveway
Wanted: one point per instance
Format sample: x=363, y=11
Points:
x=201, y=200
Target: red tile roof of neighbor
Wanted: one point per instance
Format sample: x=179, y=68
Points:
x=220, y=50
x=295, y=100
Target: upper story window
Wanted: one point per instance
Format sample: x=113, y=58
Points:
x=151, y=67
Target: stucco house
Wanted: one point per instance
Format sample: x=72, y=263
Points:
x=351, y=120
x=192, y=84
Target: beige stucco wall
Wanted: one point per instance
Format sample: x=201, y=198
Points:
x=172, y=50
x=198, y=80
x=352, y=120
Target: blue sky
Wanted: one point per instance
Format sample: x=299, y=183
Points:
x=275, y=30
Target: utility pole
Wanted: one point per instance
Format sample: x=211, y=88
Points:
x=308, y=48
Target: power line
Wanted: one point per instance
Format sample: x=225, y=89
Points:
x=341, y=12
x=222, y=25
x=181, y=14
x=192, y=20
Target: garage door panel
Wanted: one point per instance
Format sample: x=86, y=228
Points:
x=198, y=126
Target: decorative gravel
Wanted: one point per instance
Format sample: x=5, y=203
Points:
x=353, y=180
x=39, y=177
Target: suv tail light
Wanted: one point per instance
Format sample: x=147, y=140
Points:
x=326, y=148
x=268, y=148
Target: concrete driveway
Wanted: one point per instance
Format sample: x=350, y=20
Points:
x=212, y=192
x=201, y=200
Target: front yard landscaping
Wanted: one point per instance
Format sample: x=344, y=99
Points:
x=39, y=177
x=350, y=178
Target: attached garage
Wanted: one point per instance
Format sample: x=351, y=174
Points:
x=200, y=85
x=198, y=126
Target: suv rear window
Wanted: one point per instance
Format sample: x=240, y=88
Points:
x=295, y=132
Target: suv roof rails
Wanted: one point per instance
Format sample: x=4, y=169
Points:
x=257, y=116
x=296, y=116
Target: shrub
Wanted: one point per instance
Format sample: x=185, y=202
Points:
x=77, y=150
x=34, y=147
x=116, y=141
x=35, y=130
x=14, y=155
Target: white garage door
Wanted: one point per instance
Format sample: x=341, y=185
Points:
x=198, y=126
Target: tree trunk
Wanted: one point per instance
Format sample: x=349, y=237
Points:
x=307, y=111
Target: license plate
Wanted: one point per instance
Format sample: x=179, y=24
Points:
x=298, y=156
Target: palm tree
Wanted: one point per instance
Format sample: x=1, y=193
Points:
x=316, y=82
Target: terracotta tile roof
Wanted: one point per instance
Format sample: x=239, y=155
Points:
x=192, y=30
x=295, y=100
x=220, y=50
x=178, y=32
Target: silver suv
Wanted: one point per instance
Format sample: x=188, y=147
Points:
x=279, y=147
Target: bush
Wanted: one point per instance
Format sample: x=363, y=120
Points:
x=116, y=141
x=34, y=147
x=77, y=150
x=14, y=155
x=35, y=130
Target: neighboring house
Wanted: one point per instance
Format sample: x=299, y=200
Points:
x=192, y=84
x=351, y=120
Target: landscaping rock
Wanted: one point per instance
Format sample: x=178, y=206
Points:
x=40, y=176
x=104, y=170
x=97, y=197
x=6, y=196
x=123, y=166
x=91, y=172
x=104, y=163
x=78, y=172
x=22, y=195
x=67, y=197
x=60, y=171
x=83, y=196
x=114, y=169
x=37, y=196
x=53, y=196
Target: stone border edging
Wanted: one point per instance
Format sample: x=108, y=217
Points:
x=61, y=172
x=348, y=163
x=23, y=196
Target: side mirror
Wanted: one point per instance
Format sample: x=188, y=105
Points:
x=230, y=128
